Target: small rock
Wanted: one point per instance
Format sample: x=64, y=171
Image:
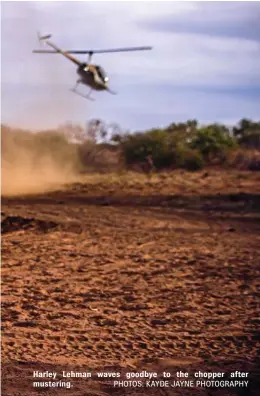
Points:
x=159, y=321
x=25, y=324
x=142, y=345
x=109, y=322
x=14, y=242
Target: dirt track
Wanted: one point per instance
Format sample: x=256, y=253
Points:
x=132, y=273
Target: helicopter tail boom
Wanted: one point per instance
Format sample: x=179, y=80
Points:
x=56, y=49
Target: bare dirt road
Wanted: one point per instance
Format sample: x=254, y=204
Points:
x=125, y=273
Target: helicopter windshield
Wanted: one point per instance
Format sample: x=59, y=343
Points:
x=102, y=74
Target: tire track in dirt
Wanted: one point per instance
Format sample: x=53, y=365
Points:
x=84, y=284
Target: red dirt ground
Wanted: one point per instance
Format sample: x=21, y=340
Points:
x=129, y=273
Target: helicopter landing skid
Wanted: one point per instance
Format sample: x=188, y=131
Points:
x=82, y=95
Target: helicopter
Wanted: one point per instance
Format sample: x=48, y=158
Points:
x=91, y=75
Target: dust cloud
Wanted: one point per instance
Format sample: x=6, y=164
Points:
x=22, y=178
x=36, y=163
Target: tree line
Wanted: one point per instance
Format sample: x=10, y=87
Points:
x=99, y=146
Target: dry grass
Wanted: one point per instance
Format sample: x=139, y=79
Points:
x=174, y=182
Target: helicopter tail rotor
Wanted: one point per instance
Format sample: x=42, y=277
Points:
x=45, y=37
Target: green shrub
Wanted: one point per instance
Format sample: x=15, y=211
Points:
x=167, y=150
x=189, y=159
x=213, y=142
x=247, y=134
x=157, y=143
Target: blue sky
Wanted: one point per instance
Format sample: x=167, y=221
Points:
x=205, y=62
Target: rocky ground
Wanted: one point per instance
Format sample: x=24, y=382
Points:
x=132, y=273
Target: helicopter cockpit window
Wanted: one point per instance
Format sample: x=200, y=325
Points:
x=101, y=73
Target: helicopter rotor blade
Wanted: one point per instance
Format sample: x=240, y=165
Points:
x=127, y=49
